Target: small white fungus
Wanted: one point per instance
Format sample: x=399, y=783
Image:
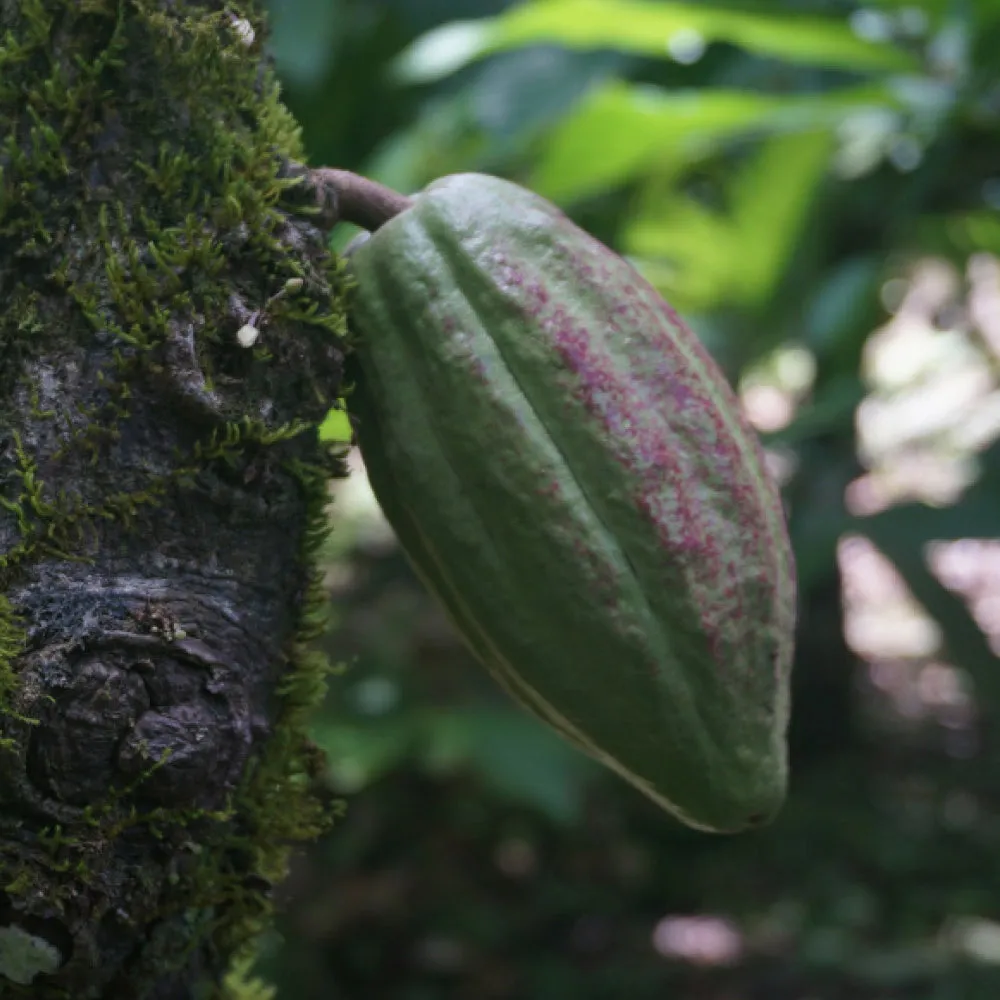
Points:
x=244, y=29
x=247, y=335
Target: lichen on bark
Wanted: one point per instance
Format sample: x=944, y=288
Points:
x=162, y=492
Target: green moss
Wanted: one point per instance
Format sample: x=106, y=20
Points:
x=204, y=216
x=241, y=984
x=11, y=645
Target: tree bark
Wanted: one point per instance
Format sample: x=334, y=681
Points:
x=162, y=493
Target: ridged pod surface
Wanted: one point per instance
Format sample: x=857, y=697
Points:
x=569, y=472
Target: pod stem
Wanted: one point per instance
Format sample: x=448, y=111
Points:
x=347, y=197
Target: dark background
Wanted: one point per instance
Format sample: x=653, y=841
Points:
x=816, y=186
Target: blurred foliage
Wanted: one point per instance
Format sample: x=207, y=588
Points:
x=783, y=171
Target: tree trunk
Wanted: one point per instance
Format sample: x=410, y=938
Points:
x=170, y=336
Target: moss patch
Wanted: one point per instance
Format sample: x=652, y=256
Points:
x=148, y=208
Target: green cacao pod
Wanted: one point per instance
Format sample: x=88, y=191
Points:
x=569, y=472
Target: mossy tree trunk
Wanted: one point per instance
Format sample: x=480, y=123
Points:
x=162, y=492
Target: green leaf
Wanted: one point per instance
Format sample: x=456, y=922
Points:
x=771, y=199
x=360, y=754
x=839, y=301
x=510, y=751
x=649, y=29
x=527, y=762
x=967, y=232
x=336, y=426
x=685, y=251
x=620, y=131
x=441, y=140
x=444, y=50
x=737, y=256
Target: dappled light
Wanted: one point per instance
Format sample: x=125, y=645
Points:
x=701, y=940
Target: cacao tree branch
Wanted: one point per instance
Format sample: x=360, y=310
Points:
x=162, y=494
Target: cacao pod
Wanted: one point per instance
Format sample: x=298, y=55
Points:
x=569, y=472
